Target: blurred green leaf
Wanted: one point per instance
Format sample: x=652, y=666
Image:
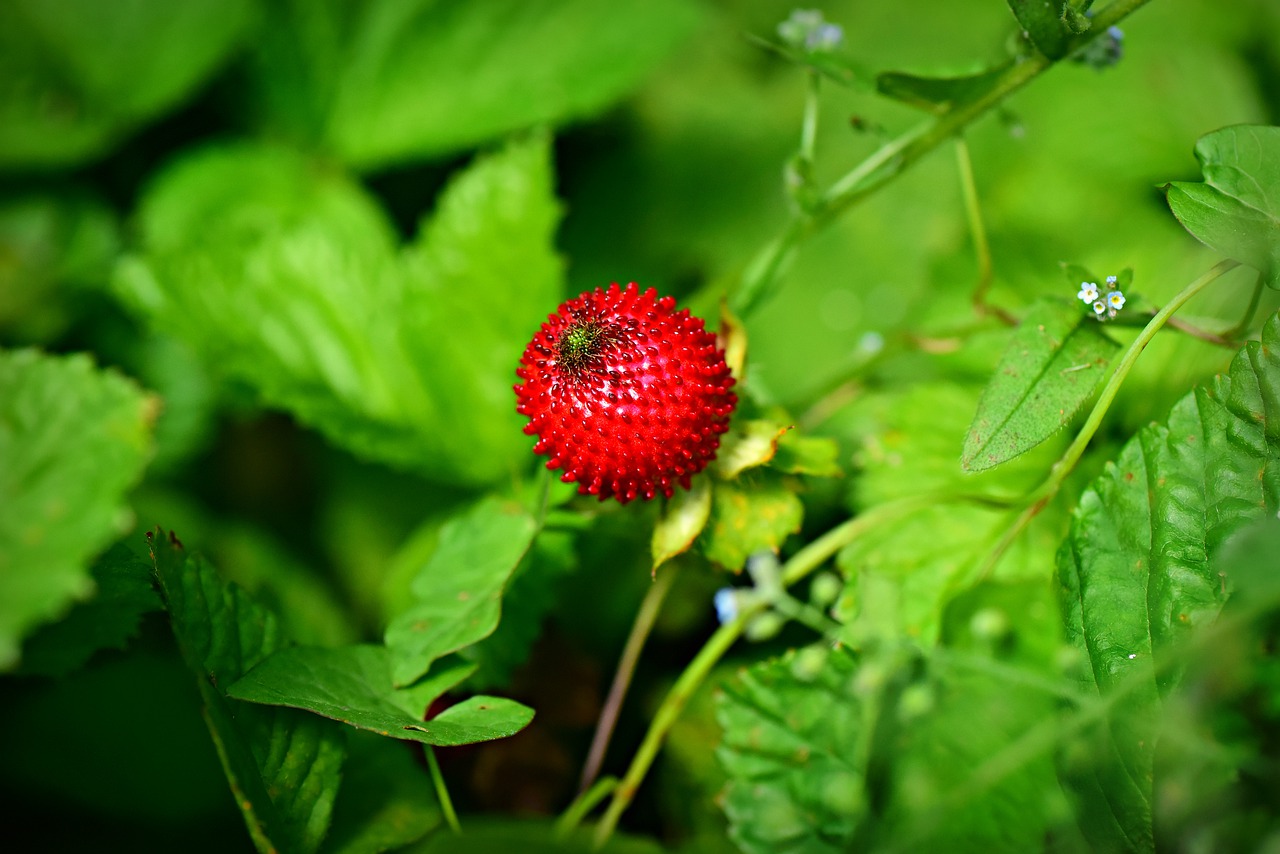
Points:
x=811, y=455
x=458, y=592
x=407, y=359
x=1236, y=210
x=73, y=439
x=1136, y=571
x=48, y=242
x=936, y=94
x=386, y=799
x=353, y=684
x=748, y=517
x=795, y=757
x=1042, y=21
x=107, y=621
x=1054, y=361
x=76, y=75
x=683, y=518
x=284, y=766
x=382, y=83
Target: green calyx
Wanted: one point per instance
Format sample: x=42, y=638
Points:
x=580, y=343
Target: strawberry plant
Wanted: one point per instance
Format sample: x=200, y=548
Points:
x=665, y=425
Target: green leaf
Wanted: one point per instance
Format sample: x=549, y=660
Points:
x=1054, y=361
x=403, y=357
x=529, y=596
x=78, y=74
x=747, y=444
x=1137, y=575
x=51, y=246
x=388, y=82
x=1236, y=210
x=73, y=439
x=284, y=766
x=386, y=799
x=683, y=517
x=937, y=95
x=353, y=684
x=484, y=834
x=459, y=590
x=794, y=757
x=750, y=517
x=811, y=455
x=107, y=621
x=1042, y=21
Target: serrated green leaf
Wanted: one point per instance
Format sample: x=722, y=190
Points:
x=386, y=800
x=683, y=518
x=937, y=95
x=72, y=439
x=750, y=517
x=405, y=358
x=1136, y=570
x=353, y=684
x=284, y=766
x=79, y=74
x=1236, y=210
x=1054, y=361
x=1043, y=24
x=459, y=590
x=107, y=621
x=383, y=83
x=795, y=758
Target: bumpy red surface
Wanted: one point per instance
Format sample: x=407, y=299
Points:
x=636, y=409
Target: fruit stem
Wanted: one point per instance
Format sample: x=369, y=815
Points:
x=802, y=563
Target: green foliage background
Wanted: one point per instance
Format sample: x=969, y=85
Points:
x=267, y=266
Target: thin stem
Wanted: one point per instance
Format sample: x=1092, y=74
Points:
x=809, y=124
x=981, y=247
x=640, y=629
x=583, y=804
x=896, y=156
x=1067, y=463
x=1242, y=328
x=695, y=673
x=442, y=791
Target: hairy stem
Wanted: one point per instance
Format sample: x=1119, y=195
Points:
x=1041, y=496
x=801, y=564
x=896, y=156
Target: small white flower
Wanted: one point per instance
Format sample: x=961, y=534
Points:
x=1115, y=299
x=1111, y=280
x=1088, y=291
x=1099, y=307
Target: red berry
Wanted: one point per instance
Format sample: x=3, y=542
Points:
x=625, y=394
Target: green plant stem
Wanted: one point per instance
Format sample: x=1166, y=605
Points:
x=584, y=803
x=981, y=247
x=1242, y=328
x=645, y=617
x=809, y=124
x=695, y=673
x=442, y=791
x=894, y=157
x=1041, y=496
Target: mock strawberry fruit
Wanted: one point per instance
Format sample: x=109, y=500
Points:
x=627, y=395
